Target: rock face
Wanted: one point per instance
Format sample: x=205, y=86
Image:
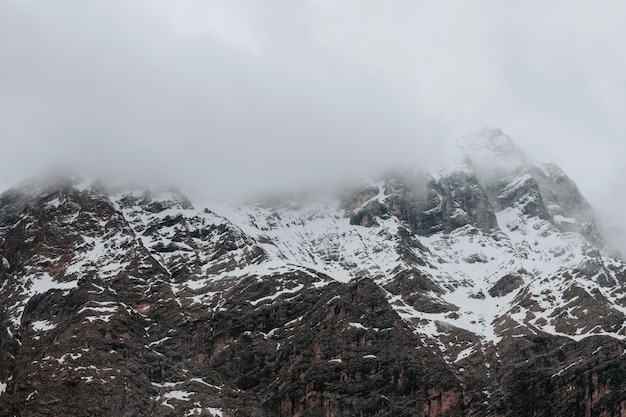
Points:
x=482, y=289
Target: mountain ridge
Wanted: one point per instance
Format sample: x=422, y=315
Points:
x=463, y=292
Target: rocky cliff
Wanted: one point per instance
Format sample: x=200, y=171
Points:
x=482, y=289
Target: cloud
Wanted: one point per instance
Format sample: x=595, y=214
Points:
x=235, y=105
x=239, y=96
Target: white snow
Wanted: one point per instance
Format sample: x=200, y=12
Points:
x=566, y=368
x=53, y=203
x=319, y=237
x=201, y=381
x=293, y=290
x=72, y=356
x=217, y=412
x=105, y=318
x=464, y=354
x=45, y=283
x=158, y=342
x=43, y=325
x=179, y=395
x=99, y=309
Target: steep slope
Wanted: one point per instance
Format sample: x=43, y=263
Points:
x=127, y=303
x=463, y=292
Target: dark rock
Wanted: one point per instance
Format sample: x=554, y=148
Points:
x=445, y=204
x=506, y=285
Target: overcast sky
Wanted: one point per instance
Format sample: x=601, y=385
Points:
x=236, y=95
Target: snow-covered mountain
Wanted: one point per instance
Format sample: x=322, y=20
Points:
x=464, y=291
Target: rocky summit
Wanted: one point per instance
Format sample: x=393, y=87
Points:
x=481, y=289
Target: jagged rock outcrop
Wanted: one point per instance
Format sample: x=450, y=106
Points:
x=448, y=204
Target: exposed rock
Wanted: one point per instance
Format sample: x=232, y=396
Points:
x=449, y=203
x=506, y=285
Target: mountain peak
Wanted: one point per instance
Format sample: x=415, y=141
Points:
x=493, y=140
x=492, y=154
x=488, y=153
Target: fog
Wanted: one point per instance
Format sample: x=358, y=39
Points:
x=233, y=97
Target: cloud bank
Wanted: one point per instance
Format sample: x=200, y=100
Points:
x=235, y=96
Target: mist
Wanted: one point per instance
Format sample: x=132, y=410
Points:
x=231, y=98
x=133, y=96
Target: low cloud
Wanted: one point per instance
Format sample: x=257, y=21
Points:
x=234, y=97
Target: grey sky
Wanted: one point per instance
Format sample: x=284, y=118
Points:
x=223, y=95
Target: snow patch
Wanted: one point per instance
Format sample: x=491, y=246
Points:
x=293, y=290
x=179, y=395
x=43, y=325
x=217, y=412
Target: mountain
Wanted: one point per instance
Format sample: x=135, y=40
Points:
x=481, y=289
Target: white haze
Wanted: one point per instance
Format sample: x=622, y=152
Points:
x=239, y=96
